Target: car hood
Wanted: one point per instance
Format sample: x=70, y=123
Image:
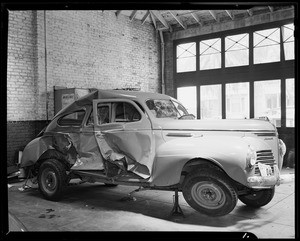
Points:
x=215, y=125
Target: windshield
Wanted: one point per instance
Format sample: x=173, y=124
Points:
x=167, y=109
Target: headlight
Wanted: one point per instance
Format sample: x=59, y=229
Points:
x=251, y=157
x=282, y=148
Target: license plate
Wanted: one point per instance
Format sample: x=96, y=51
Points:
x=265, y=170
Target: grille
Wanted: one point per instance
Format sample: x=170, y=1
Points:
x=264, y=157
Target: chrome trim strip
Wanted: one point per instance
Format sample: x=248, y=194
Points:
x=180, y=134
x=271, y=131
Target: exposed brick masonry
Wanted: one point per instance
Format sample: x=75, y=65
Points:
x=85, y=49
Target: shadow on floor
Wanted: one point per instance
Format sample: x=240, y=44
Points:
x=97, y=197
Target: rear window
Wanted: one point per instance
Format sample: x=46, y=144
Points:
x=72, y=119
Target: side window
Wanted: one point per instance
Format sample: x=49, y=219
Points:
x=72, y=119
x=90, y=120
x=103, y=114
x=125, y=112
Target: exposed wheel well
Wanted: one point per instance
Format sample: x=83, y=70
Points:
x=199, y=162
x=206, y=164
x=50, y=154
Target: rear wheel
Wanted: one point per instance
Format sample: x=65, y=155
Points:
x=209, y=192
x=52, y=179
x=258, y=198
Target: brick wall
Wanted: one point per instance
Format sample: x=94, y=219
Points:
x=84, y=49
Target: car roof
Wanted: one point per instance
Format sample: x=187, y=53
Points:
x=140, y=96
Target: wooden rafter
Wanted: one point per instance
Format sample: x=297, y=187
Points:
x=161, y=19
x=271, y=8
x=196, y=18
x=133, y=14
x=229, y=13
x=145, y=17
x=250, y=12
x=213, y=14
x=178, y=19
x=153, y=19
x=118, y=13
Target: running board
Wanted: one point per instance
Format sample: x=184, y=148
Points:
x=101, y=177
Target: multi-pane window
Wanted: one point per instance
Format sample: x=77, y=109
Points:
x=267, y=100
x=266, y=46
x=290, y=102
x=187, y=96
x=211, y=102
x=210, y=54
x=186, y=57
x=237, y=101
x=288, y=41
x=219, y=54
x=237, y=50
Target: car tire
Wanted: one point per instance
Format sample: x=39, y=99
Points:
x=52, y=179
x=258, y=198
x=209, y=192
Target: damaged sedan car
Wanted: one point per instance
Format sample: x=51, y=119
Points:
x=150, y=140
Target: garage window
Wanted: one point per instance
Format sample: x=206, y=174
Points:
x=73, y=119
x=267, y=100
x=237, y=101
x=288, y=41
x=290, y=102
x=266, y=46
x=210, y=54
x=237, y=50
x=186, y=57
x=187, y=96
x=211, y=102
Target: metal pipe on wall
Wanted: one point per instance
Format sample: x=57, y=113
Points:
x=162, y=49
x=46, y=80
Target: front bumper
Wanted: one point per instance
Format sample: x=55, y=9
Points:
x=266, y=179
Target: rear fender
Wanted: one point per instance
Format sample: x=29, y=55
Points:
x=41, y=149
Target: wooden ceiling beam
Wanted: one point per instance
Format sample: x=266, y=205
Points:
x=161, y=19
x=153, y=19
x=250, y=12
x=196, y=18
x=133, y=14
x=271, y=8
x=214, y=15
x=178, y=19
x=145, y=17
x=229, y=13
x=118, y=13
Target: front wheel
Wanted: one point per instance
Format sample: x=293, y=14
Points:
x=209, y=192
x=52, y=179
x=258, y=198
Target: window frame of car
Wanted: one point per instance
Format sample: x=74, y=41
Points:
x=111, y=102
x=168, y=99
x=59, y=124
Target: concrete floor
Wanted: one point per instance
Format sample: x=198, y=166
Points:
x=95, y=207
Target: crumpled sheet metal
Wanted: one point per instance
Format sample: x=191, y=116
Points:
x=120, y=148
x=89, y=157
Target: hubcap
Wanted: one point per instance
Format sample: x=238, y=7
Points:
x=208, y=195
x=49, y=180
